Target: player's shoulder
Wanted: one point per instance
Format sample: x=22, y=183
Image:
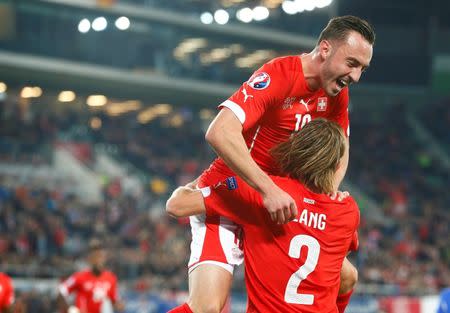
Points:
x=81, y=274
x=110, y=275
x=351, y=203
x=287, y=63
x=350, y=208
x=287, y=183
x=348, y=204
x=293, y=187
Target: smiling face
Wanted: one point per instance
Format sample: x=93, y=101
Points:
x=343, y=61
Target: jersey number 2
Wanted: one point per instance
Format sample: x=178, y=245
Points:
x=291, y=295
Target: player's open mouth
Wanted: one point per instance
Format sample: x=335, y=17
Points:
x=341, y=83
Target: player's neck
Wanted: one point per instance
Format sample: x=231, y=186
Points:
x=311, y=66
x=96, y=271
x=336, y=182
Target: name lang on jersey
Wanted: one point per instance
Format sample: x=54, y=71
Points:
x=312, y=219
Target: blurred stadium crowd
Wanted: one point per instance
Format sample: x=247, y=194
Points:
x=44, y=225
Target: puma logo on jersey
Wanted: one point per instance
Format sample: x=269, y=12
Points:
x=305, y=103
x=246, y=96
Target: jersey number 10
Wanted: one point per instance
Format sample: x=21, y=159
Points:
x=302, y=120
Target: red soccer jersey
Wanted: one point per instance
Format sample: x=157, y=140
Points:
x=274, y=103
x=91, y=291
x=6, y=292
x=293, y=267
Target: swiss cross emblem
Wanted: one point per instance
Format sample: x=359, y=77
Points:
x=322, y=104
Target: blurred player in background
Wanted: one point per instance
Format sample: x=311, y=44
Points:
x=281, y=274
x=278, y=99
x=6, y=294
x=95, y=288
x=444, y=301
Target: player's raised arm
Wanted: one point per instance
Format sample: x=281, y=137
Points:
x=225, y=136
x=243, y=112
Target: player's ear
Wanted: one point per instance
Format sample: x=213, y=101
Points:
x=325, y=49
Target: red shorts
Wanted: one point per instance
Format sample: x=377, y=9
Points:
x=215, y=239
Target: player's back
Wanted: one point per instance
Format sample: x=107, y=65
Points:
x=293, y=267
x=303, y=258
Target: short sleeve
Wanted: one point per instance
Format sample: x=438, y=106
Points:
x=266, y=88
x=340, y=112
x=235, y=200
x=70, y=284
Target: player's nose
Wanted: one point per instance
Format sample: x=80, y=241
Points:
x=355, y=75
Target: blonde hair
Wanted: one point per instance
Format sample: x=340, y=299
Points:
x=312, y=154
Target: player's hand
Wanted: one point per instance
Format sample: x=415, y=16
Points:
x=280, y=205
x=340, y=195
x=120, y=306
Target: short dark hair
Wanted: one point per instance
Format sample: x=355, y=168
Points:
x=339, y=28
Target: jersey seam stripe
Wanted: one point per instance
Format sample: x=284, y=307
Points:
x=254, y=138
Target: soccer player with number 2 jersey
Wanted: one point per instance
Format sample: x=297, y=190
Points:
x=293, y=267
